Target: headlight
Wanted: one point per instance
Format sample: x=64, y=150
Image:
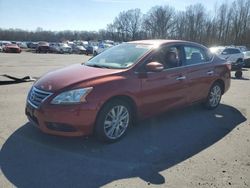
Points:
x=72, y=96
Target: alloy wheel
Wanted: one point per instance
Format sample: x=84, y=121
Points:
x=116, y=122
x=215, y=96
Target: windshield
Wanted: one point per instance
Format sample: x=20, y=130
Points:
x=216, y=50
x=120, y=57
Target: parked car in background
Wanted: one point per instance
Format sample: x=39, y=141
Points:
x=217, y=49
x=54, y=48
x=32, y=45
x=22, y=45
x=65, y=48
x=1, y=47
x=78, y=49
x=101, y=48
x=12, y=48
x=155, y=75
x=42, y=47
x=233, y=55
x=89, y=49
x=3, y=43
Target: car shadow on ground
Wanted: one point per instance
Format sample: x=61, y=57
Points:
x=30, y=158
x=242, y=78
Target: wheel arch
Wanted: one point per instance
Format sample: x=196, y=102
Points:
x=125, y=98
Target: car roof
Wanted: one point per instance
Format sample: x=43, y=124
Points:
x=234, y=48
x=154, y=42
x=159, y=42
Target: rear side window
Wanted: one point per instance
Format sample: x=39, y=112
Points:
x=230, y=51
x=235, y=51
x=195, y=55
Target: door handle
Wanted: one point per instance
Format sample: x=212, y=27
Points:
x=210, y=72
x=181, y=78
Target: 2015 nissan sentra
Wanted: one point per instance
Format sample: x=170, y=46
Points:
x=132, y=80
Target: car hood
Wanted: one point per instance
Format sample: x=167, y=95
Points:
x=10, y=46
x=61, y=78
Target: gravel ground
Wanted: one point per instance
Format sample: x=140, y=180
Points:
x=189, y=147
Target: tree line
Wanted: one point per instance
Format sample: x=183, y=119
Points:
x=228, y=24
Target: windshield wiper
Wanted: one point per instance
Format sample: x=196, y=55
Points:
x=98, y=66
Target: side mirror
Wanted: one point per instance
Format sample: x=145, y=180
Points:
x=154, y=67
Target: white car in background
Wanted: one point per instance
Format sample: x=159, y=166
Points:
x=230, y=53
x=65, y=48
x=233, y=55
x=217, y=49
x=101, y=48
x=22, y=45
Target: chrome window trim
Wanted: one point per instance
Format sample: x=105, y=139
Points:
x=183, y=66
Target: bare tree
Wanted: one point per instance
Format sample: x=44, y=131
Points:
x=128, y=24
x=159, y=22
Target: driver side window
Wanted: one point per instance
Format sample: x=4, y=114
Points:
x=168, y=56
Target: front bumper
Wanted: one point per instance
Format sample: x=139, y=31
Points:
x=70, y=120
x=12, y=50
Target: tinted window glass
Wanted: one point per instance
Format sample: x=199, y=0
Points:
x=170, y=57
x=235, y=51
x=194, y=55
x=226, y=51
x=230, y=51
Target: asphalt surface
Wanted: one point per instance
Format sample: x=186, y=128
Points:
x=190, y=147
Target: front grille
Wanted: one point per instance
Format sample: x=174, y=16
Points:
x=14, y=50
x=37, y=96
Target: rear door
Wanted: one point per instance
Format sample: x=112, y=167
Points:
x=200, y=72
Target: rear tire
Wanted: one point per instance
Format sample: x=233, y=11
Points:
x=113, y=121
x=214, y=96
x=238, y=74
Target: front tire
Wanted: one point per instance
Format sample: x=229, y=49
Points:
x=214, y=96
x=113, y=121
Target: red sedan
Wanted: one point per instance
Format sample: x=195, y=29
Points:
x=12, y=48
x=133, y=80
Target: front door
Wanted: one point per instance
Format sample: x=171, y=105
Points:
x=166, y=89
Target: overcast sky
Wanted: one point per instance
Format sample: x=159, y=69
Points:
x=78, y=14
